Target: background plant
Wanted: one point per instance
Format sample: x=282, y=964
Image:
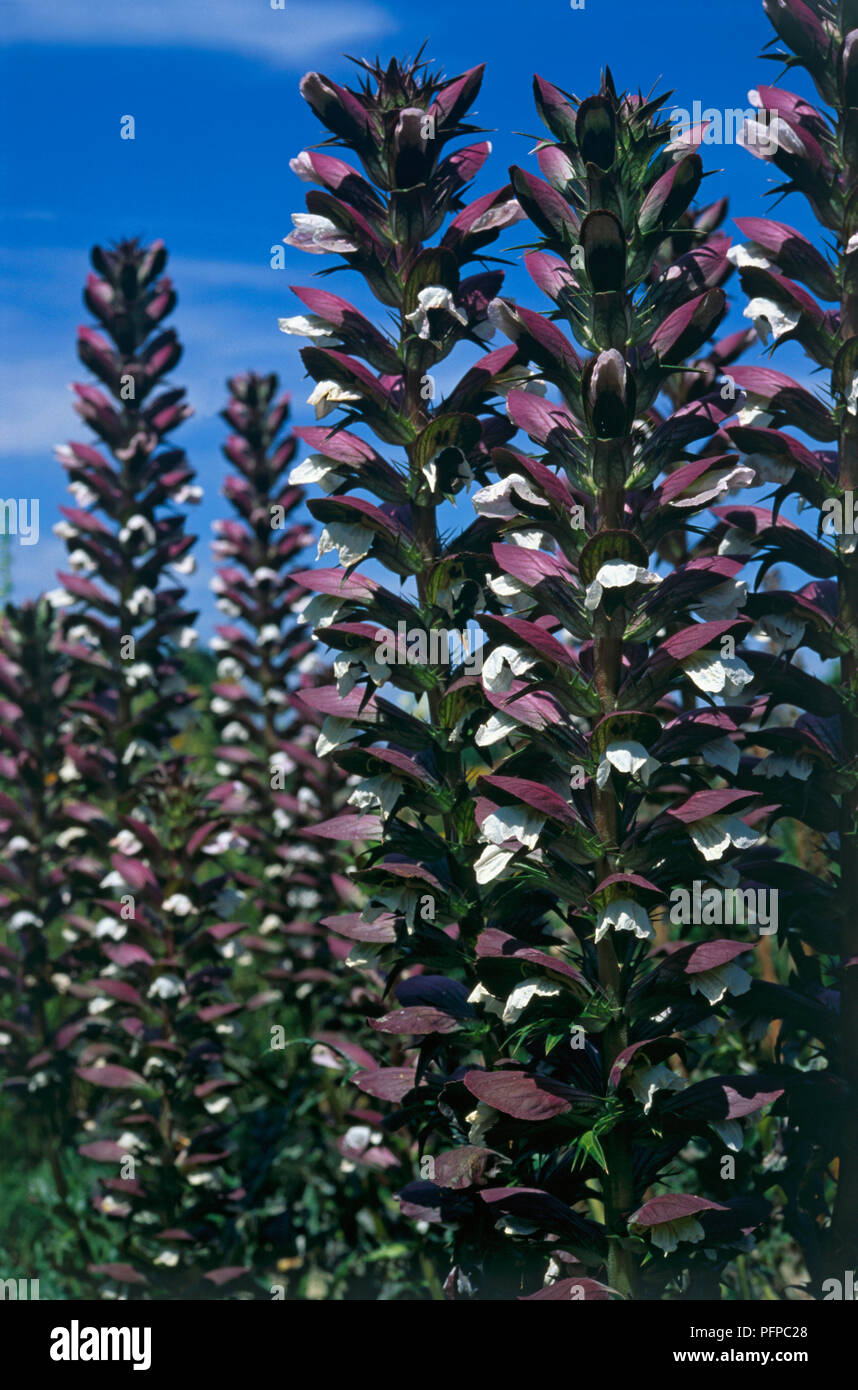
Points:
x=788, y=280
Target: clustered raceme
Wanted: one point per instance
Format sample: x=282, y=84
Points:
x=554, y=822
x=277, y=790
x=616, y=703
x=478, y=985
x=275, y=783
x=126, y=539
x=164, y=1065
x=797, y=293
x=41, y=965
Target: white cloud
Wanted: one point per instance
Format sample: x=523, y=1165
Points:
x=289, y=37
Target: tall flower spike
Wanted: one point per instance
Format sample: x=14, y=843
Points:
x=398, y=124
x=289, y=880
x=126, y=540
x=797, y=292
x=408, y=757
x=598, y=801
x=42, y=874
x=169, y=1087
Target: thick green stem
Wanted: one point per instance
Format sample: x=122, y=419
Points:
x=618, y=1182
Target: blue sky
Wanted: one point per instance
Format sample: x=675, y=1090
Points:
x=213, y=88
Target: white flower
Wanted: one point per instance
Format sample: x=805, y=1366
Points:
x=377, y=792
x=115, y=880
x=484, y=999
x=785, y=765
x=501, y=215
x=645, y=1081
x=667, y=1234
x=513, y=823
x=433, y=297
x=139, y=673
x=22, y=919
x=317, y=235
x=617, y=574
x=769, y=470
x=714, y=673
x=326, y=395
x=188, y=492
x=763, y=138
x=166, y=987
x=523, y=994
x=350, y=667
x=59, y=598
x=852, y=396
x=629, y=758
x=187, y=565
x=491, y=863
x=80, y=562
x=138, y=748
x=714, y=835
x=737, y=542
x=722, y=752
x=722, y=601
x=168, y=1258
x=222, y=842
x=111, y=928
x=322, y=610
x=311, y=326
x=753, y=414
x=497, y=726
x=784, y=633
x=530, y=539
x=351, y=543
x=623, y=914
x=334, y=733
x=317, y=469
x=714, y=984
x=749, y=254
x=142, y=601
x=499, y=499
x=771, y=319
x=729, y=1132
x=137, y=524
x=187, y=638
x=501, y=665
x=510, y=592
x=179, y=904
x=480, y=1121
x=712, y=484
x=83, y=495
x=302, y=167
